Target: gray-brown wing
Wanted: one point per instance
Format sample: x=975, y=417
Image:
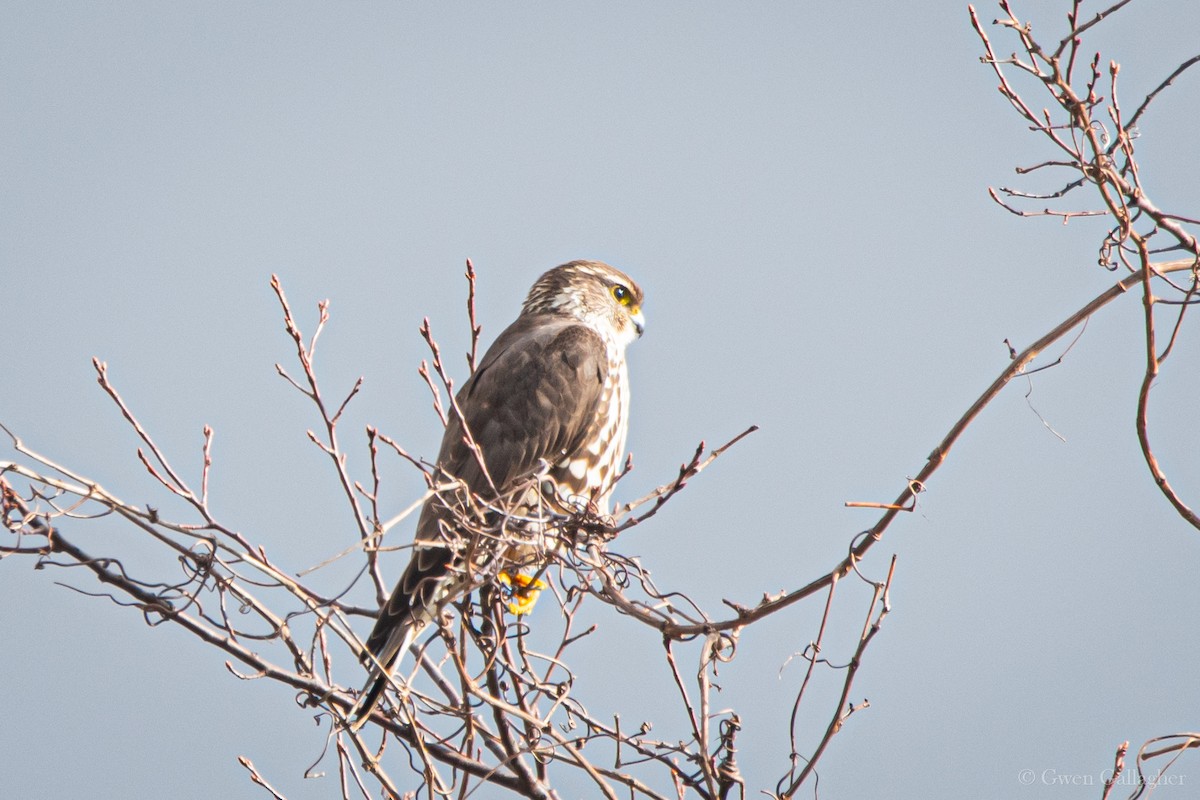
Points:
x=534, y=396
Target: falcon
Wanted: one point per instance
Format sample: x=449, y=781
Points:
x=539, y=429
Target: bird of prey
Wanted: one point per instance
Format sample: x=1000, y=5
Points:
x=538, y=429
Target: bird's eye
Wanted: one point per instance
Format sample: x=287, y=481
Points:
x=622, y=295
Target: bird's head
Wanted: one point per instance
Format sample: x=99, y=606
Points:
x=600, y=296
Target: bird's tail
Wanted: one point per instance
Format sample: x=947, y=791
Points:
x=412, y=605
x=381, y=672
x=366, y=703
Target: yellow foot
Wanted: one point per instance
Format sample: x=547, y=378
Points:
x=521, y=590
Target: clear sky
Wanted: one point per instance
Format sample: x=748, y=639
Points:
x=800, y=188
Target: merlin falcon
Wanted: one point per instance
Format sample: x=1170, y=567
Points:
x=538, y=430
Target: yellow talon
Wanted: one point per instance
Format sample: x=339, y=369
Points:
x=522, y=596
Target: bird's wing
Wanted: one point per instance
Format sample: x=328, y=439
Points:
x=534, y=396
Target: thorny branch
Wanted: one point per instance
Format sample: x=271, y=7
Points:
x=488, y=698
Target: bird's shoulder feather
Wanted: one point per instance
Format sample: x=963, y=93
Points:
x=534, y=396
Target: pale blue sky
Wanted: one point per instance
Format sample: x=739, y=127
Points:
x=801, y=190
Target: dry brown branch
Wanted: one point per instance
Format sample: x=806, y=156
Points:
x=521, y=703
x=1174, y=745
x=789, y=785
x=472, y=321
x=329, y=445
x=1100, y=152
x=259, y=779
x=1118, y=768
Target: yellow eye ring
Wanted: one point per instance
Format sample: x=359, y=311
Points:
x=622, y=295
